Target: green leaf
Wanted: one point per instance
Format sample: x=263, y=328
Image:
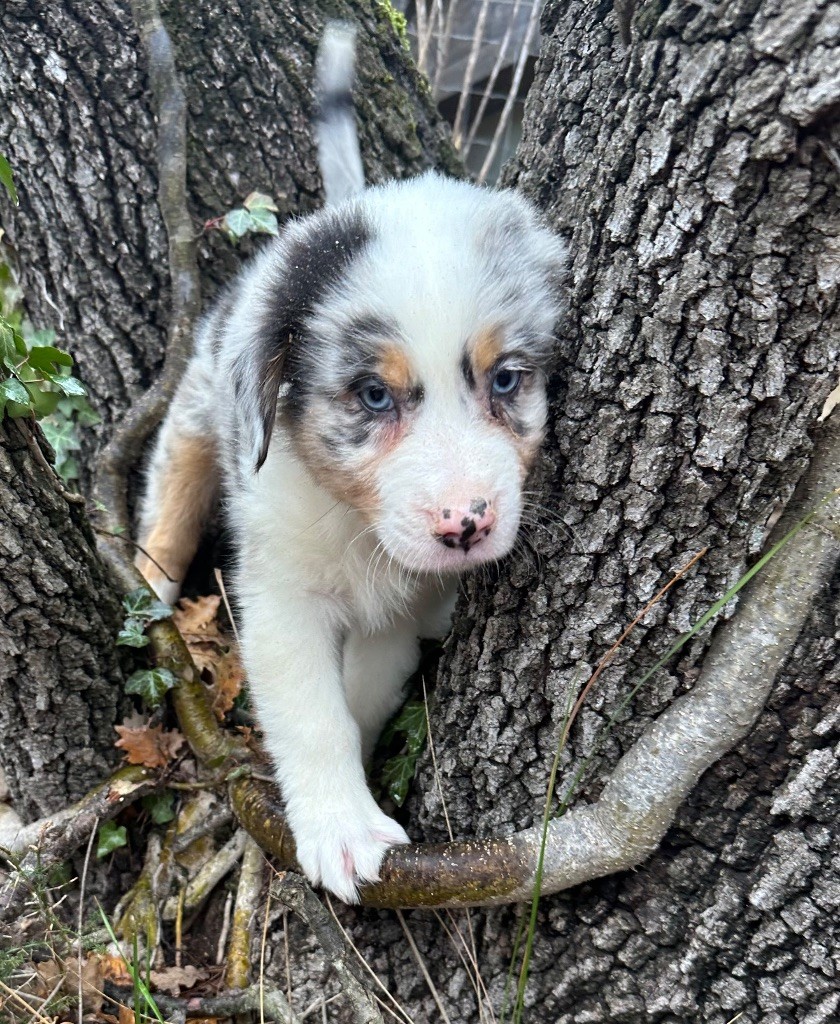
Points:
x=43, y=402
x=44, y=336
x=132, y=635
x=61, y=433
x=68, y=386
x=151, y=685
x=77, y=406
x=397, y=774
x=67, y=469
x=111, y=837
x=160, y=806
x=142, y=604
x=7, y=180
x=238, y=223
x=13, y=391
x=264, y=222
x=9, y=345
x=42, y=357
x=260, y=201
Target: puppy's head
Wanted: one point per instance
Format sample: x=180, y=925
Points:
x=407, y=334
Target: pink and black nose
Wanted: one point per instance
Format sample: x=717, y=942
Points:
x=463, y=528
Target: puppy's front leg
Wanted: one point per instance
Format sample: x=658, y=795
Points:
x=292, y=646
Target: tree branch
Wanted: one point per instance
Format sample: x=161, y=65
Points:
x=125, y=447
x=228, y=1004
x=47, y=842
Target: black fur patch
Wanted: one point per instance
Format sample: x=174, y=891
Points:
x=312, y=266
x=334, y=105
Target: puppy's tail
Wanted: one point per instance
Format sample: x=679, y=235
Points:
x=335, y=126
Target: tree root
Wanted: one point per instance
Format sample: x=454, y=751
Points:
x=293, y=892
x=238, y=960
x=229, y=1004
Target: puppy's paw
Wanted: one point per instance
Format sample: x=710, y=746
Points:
x=343, y=850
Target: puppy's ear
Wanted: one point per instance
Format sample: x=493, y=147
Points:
x=283, y=292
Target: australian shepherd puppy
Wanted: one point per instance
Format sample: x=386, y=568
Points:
x=369, y=397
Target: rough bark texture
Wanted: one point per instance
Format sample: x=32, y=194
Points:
x=60, y=680
x=77, y=127
x=694, y=172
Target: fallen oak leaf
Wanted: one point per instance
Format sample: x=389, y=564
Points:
x=174, y=979
x=149, y=745
x=227, y=685
x=197, y=618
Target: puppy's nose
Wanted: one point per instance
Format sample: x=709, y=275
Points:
x=459, y=527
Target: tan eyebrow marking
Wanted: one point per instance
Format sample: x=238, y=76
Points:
x=395, y=369
x=485, y=351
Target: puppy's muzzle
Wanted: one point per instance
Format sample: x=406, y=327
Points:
x=459, y=527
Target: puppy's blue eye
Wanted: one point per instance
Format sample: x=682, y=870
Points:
x=375, y=397
x=506, y=381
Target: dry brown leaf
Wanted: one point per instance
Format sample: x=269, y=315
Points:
x=126, y=1015
x=173, y=979
x=149, y=745
x=115, y=969
x=230, y=675
x=197, y=619
x=65, y=975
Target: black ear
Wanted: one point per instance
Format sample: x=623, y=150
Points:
x=309, y=261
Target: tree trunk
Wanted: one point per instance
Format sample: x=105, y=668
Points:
x=695, y=172
x=76, y=124
x=60, y=680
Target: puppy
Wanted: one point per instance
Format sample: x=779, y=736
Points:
x=369, y=396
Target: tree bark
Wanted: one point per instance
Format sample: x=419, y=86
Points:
x=76, y=124
x=60, y=678
x=695, y=173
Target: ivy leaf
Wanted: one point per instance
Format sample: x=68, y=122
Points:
x=67, y=469
x=142, y=604
x=151, y=685
x=397, y=774
x=45, y=336
x=111, y=837
x=13, y=391
x=260, y=201
x=77, y=406
x=62, y=435
x=69, y=386
x=264, y=221
x=7, y=180
x=9, y=345
x=41, y=402
x=160, y=806
x=132, y=635
x=43, y=357
x=238, y=223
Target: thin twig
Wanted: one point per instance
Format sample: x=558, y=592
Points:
x=247, y=901
x=608, y=657
x=81, y=920
x=501, y=127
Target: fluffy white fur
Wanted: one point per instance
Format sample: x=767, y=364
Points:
x=342, y=555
